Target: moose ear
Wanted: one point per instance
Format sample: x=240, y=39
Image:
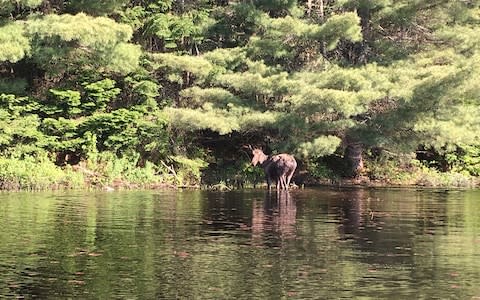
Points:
x=249, y=147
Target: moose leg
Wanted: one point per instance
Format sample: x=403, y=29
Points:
x=269, y=182
x=289, y=177
x=280, y=182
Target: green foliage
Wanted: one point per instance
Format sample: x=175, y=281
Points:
x=79, y=28
x=252, y=175
x=109, y=169
x=18, y=105
x=404, y=170
x=188, y=170
x=276, y=7
x=154, y=137
x=89, y=145
x=466, y=37
x=115, y=131
x=227, y=175
x=180, y=65
x=337, y=27
x=220, y=121
x=14, y=45
x=227, y=59
x=338, y=93
x=143, y=89
x=236, y=24
x=8, y=6
x=19, y=135
x=62, y=134
x=441, y=127
x=289, y=38
x=65, y=103
x=125, y=131
x=85, y=40
x=123, y=58
x=321, y=146
x=470, y=160
x=99, y=94
x=174, y=30
x=319, y=171
x=191, y=120
x=265, y=89
x=161, y=81
x=254, y=120
x=16, y=86
x=31, y=173
x=433, y=178
x=134, y=16
x=393, y=169
x=465, y=159
x=95, y=7
x=196, y=97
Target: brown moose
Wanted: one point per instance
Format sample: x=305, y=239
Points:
x=278, y=168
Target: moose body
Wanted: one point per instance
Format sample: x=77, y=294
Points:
x=278, y=168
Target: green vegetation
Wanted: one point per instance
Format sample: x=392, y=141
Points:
x=164, y=93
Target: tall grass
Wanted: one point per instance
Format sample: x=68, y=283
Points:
x=405, y=171
x=107, y=169
x=32, y=173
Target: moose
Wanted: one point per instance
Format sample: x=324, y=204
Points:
x=278, y=168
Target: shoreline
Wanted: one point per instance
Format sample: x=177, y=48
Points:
x=343, y=184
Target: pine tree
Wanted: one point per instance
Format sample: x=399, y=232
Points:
x=315, y=78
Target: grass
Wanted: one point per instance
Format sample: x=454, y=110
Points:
x=36, y=174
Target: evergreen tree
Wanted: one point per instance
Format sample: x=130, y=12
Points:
x=315, y=78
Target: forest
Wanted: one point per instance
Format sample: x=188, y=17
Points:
x=167, y=93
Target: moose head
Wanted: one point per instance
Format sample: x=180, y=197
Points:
x=258, y=157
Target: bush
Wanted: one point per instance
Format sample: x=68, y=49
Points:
x=188, y=171
x=36, y=174
x=433, y=178
x=107, y=167
x=320, y=171
x=404, y=170
x=232, y=174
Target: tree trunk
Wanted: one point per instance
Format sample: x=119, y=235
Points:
x=313, y=4
x=322, y=10
x=353, y=159
x=309, y=7
x=322, y=18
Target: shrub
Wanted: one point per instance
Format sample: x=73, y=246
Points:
x=434, y=178
x=32, y=173
x=188, y=171
x=107, y=167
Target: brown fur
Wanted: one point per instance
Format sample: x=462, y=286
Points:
x=278, y=168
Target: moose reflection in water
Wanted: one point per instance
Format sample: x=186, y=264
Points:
x=278, y=168
x=275, y=214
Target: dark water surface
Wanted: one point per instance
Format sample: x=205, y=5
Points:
x=307, y=244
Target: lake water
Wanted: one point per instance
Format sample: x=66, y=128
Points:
x=306, y=244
